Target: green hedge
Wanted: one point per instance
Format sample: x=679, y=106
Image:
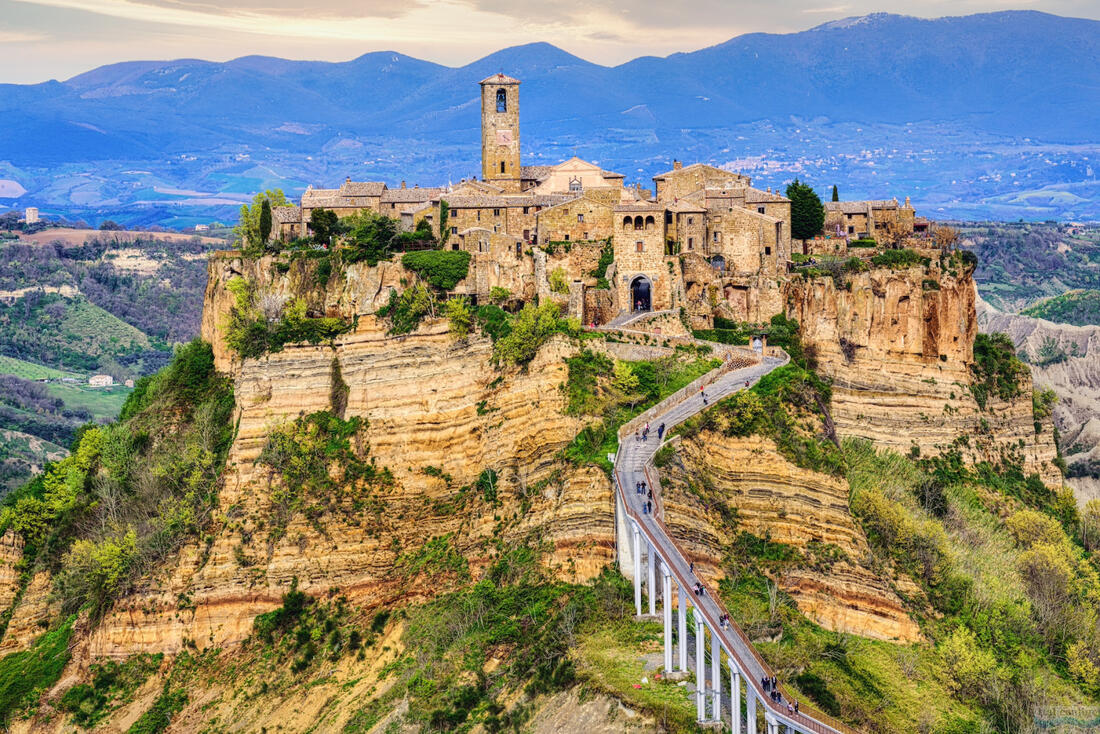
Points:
x=442, y=269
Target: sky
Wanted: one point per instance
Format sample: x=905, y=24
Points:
x=57, y=39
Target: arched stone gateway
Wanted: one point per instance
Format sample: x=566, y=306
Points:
x=641, y=294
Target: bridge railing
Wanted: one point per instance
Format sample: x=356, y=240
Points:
x=808, y=717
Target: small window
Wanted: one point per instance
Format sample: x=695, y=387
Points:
x=479, y=215
x=639, y=246
x=566, y=238
x=519, y=249
x=760, y=209
x=502, y=100
x=851, y=230
x=454, y=246
x=502, y=166
x=580, y=218
x=691, y=220
x=717, y=236
x=586, y=235
x=525, y=209
x=496, y=212
x=767, y=250
x=691, y=243
x=454, y=230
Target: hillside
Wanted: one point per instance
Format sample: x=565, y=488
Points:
x=74, y=304
x=1076, y=307
x=382, y=518
x=956, y=91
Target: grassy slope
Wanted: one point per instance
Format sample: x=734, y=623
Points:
x=1077, y=307
x=103, y=403
x=30, y=370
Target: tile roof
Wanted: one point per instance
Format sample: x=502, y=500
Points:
x=859, y=207
x=362, y=188
x=641, y=206
x=756, y=196
x=499, y=79
x=286, y=214
x=697, y=165
x=535, y=173
x=505, y=202
x=409, y=196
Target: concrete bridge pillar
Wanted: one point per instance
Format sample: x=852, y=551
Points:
x=700, y=677
x=750, y=708
x=666, y=609
x=735, y=698
x=771, y=723
x=651, y=579
x=637, y=570
x=681, y=618
x=715, y=676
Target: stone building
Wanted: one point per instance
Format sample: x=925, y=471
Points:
x=706, y=241
x=875, y=219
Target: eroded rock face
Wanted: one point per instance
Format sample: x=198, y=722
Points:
x=428, y=404
x=1074, y=377
x=898, y=346
x=774, y=498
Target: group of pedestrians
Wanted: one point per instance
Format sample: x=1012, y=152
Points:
x=724, y=621
x=643, y=434
x=647, y=504
x=771, y=687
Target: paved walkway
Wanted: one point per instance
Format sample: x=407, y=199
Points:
x=631, y=468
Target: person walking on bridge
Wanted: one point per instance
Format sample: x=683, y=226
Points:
x=660, y=431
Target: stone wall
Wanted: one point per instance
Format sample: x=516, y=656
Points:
x=577, y=220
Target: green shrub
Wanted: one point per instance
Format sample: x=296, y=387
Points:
x=460, y=314
x=607, y=256
x=112, y=684
x=442, y=269
x=863, y=242
x=406, y=310
x=996, y=369
x=169, y=703
x=898, y=259
x=26, y=675
x=530, y=329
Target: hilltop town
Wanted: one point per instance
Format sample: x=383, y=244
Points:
x=703, y=240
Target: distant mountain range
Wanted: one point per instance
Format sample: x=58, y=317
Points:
x=1006, y=84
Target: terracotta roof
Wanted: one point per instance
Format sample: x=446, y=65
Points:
x=697, y=165
x=499, y=79
x=611, y=174
x=756, y=196
x=362, y=188
x=859, y=207
x=286, y=214
x=535, y=173
x=409, y=196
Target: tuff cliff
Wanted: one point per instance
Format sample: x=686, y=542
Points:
x=897, y=345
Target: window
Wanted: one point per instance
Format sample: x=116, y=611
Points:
x=454, y=230
x=502, y=100
x=691, y=243
x=479, y=215
x=767, y=250
x=639, y=246
x=717, y=236
x=586, y=235
x=691, y=220
x=525, y=209
x=580, y=218
x=851, y=230
x=566, y=238
x=502, y=166
x=496, y=212
x=454, y=246
x=519, y=249
x=760, y=209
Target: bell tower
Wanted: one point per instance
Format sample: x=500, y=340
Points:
x=500, y=132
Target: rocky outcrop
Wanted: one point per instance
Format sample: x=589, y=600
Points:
x=11, y=553
x=1072, y=370
x=898, y=346
x=429, y=404
x=775, y=499
x=32, y=614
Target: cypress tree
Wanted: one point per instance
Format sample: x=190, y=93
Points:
x=265, y=221
x=807, y=211
x=836, y=194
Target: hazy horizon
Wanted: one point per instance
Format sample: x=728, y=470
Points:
x=59, y=39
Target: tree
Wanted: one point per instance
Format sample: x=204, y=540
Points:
x=460, y=314
x=109, y=225
x=265, y=221
x=625, y=381
x=807, y=211
x=323, y=223
x=836, y=193
x=248, y=228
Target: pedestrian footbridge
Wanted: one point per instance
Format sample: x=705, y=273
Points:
x=647, y=551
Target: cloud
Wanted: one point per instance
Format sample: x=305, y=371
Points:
x=21, y=37
x=831, y=10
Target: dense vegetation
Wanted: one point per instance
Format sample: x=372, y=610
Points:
x=807, y=211
x=1021, y=263
x=1077, y=307
x=131, y=492
x=997, y=371
x=260, y=324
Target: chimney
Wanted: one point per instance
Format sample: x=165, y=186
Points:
x=402, y=184
x=907, y=204
x=677, y=165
